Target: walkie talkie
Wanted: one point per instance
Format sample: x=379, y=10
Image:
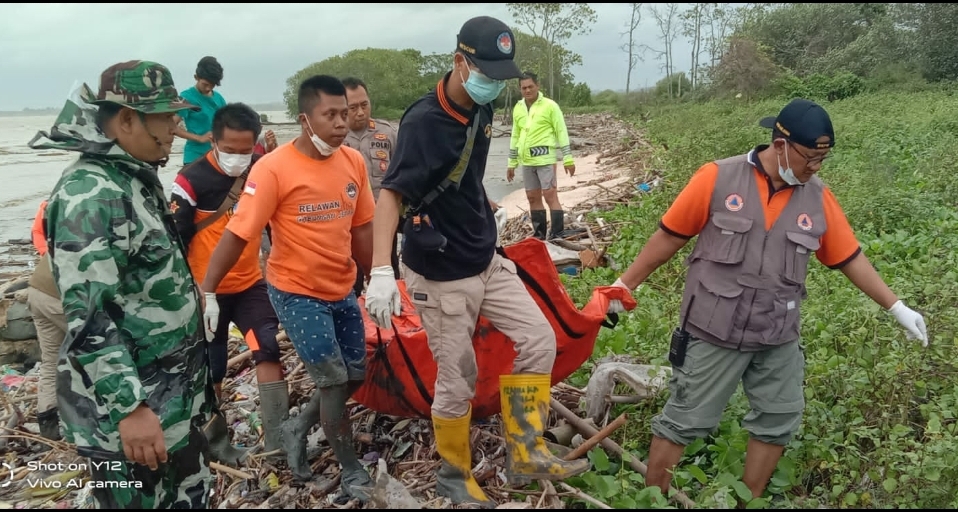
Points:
x=680, y=340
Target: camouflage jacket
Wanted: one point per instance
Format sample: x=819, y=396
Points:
x=132, y=307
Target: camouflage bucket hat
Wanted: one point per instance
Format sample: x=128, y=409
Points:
x=141, y=85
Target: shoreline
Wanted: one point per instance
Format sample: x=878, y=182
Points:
x=589, y=180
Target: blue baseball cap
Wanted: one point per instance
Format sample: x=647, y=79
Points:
x=803, y=122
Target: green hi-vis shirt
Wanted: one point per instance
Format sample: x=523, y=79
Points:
x=537, y=132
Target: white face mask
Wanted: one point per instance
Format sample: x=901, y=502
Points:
x=321, y=145
x=787, y=175
x=233, y=165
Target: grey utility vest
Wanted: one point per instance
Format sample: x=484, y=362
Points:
x=749, y=283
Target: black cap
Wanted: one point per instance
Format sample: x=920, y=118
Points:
x=803, y=122
x=491, y=46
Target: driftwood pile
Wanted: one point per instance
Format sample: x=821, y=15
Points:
x=406, y=447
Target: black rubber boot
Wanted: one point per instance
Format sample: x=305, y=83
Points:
x=293, y=437
x=49, y=421
x=558, y=224
x=218, y=435
x=539, y=223
x=355, y=481
x=274, y=405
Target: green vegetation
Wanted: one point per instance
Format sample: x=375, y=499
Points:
x=879, y=427
x=880, y=424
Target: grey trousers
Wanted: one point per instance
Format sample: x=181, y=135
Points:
x=51, y=327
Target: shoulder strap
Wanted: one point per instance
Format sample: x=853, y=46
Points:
x=455, y=175
x=231, y=198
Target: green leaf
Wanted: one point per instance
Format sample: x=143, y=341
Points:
x=851, y=499
x=742, y=490
x=890, y=484
x=599, y=459
x=697, y=472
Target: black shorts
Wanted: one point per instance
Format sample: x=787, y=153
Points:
x=253, y=313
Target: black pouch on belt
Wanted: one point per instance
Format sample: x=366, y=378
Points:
x=419, y=231
x=680, y=340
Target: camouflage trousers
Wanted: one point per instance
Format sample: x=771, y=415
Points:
x=183, y=481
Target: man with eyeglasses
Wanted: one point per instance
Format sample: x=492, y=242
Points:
x=758, y=218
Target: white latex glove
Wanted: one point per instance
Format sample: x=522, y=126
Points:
x=382, y=297
x=501, y=217
x=211, y=316
x=912, y=321
x=615, y=306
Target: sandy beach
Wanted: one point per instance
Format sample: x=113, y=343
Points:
x=585, y=184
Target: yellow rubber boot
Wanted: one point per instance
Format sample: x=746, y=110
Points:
x=525, y=409
x=454, y=479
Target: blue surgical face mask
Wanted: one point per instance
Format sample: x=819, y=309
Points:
x=481, y=88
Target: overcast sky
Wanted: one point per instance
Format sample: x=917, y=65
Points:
x=45, y=47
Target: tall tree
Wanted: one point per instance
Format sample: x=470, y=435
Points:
x=938, y=40
x=532, y=54
x=631, y=47
x=719, y=20
x=744, y=68
x=666, y=18
x=434, y=66
x=692, y=28
x=393, y=76
x=555, y=23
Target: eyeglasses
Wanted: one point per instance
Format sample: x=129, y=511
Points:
x=810, y=160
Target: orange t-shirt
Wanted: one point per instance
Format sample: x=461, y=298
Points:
x=37, y=232
x=690, y=212
x=311, y=207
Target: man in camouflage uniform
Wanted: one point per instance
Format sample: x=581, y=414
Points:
x=133, y=383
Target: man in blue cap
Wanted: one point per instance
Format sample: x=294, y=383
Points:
x=758, y=218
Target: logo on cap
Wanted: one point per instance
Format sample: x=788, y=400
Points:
x=504, y=42
x=805, y=222
x=734, y=203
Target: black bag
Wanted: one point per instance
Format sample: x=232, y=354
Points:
x=418, y=228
